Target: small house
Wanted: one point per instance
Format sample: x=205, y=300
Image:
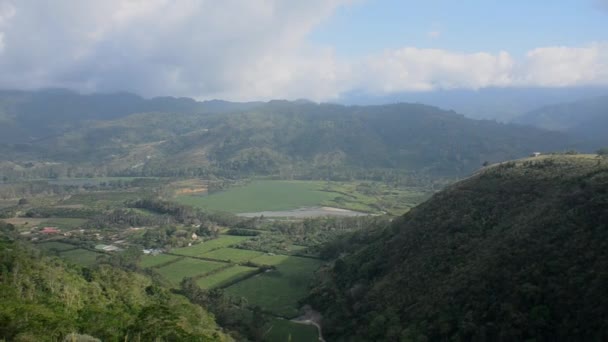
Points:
x=535, y=154
x=50, y=230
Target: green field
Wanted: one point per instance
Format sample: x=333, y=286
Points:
x=282, y=330
x=262, y=195
x=278, y=291
x=80, y=256
x=275, y=195
x=56, y=245
x=98, y=199
x=225, y=276
x=207, y=246
x=64, y=222
x=232, y=254
x=148, y=261
x=187, y=267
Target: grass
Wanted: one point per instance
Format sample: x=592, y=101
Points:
x=148, y=261
x=80, y=256
x=283, y=330
x=98, y=199
x=232, y=254
x=207, y=246
x=274, y=195
x=64, y=222
x=278, y=291
x=55, y=245
x=186, y=268
x=262, y=195
x=224, y=277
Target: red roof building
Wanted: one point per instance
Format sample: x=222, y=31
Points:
x=50, y=230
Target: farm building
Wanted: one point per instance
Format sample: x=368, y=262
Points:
x=50, y=230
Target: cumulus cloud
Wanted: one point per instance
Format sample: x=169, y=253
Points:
x=234, y=48
x=244, y=50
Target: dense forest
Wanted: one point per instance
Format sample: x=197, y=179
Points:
x=519, y=251
x=45, y=299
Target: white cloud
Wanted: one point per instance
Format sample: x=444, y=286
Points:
x=244, y=50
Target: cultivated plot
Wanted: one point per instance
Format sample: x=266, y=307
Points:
x=148, y=261
x=283, y=330
x=262, y=195
x=199, y=249
x=186, y=268
x=234, y=255
x=226, y=276
x=278, y=291
x=80, y=256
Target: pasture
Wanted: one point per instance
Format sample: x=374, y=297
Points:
x=283, y=330
x=262, y=195
x=200, y=249
x=186, y=268
x=225, y=276
x=148, y=261
x=278, y=291
x=234, y=255
x=80, y=256
x=55, y=245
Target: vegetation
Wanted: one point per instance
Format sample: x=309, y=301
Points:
x=44, y=299
x=227, y=276
x=187, y=268
x=278, y=291
x=408, y=143
x=516, y=252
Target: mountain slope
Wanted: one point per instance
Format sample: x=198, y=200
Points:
x=316, y=140
x=516, y=252
x=585, y=119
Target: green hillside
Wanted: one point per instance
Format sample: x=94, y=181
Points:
x=518, y=252
x=298, y=139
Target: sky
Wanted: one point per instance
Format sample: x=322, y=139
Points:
x=316, y=49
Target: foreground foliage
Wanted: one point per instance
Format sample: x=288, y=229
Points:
x=43, y=299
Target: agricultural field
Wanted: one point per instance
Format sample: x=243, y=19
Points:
x=278, y=291
x=187, y=267
x=102, y=199
x=262, y=195
x=225, y=277
x=275, y=195
x=149, y=261
x=63, y=222
x=200, y=249
x=283, y=330
x=55, y=245
x=234, y=255
x=80, y=256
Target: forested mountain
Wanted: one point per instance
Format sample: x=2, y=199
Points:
x=584, y=119
x=33, y=115
x=517, y=252
x=122, y=134
x=494, y=103
x=43, y=299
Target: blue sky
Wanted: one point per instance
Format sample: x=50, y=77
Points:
x=316, y=49
x=516, y=26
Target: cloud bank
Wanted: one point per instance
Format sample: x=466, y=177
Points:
x=244, y=50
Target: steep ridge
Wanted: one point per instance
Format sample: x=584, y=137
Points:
x=518, y=251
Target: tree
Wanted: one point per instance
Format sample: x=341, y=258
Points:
x=603, y=152
x=23, y=201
